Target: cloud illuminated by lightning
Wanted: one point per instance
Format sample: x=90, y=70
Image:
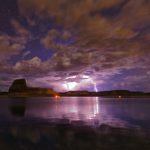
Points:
x=75, y=82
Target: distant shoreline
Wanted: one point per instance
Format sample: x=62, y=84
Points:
x=19, y=88
x=108, y=96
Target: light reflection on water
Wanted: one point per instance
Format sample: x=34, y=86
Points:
x=91, y=110
x=72, y=108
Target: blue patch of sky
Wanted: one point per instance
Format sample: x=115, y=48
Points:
x=14, y=59
x=43, y=26
x=118, y=78
x=124, y=73
x=41, y=29
x=38, y=50
x=105, y=86
x=64, y=41
x=112, y=11
x=8, y=10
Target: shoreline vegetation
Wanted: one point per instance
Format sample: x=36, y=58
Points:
x=19, y=88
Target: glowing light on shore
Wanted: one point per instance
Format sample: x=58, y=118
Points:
x=119, y=96
x=57, y=96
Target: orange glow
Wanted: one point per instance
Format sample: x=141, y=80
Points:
x=57, y=96
x=119, y=96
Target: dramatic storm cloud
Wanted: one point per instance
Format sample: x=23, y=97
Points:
x=76, y=44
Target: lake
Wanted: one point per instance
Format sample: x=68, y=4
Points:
x=94, y=111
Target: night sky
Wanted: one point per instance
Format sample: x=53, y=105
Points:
x=66, y=45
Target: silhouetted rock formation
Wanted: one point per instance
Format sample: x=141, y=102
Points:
x=18, y=85
x=20, y=88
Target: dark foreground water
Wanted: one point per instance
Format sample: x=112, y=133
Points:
x=74, y=123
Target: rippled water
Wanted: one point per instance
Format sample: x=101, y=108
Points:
x=90, y=110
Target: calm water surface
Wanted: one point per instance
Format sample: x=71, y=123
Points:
x=90, y=110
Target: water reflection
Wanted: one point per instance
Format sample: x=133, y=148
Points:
x=18, y=110
x=91, y=110
x=72, y=108
x=17, y=107
x=96, y=106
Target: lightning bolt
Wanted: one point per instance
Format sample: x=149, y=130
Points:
x=92, y=81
